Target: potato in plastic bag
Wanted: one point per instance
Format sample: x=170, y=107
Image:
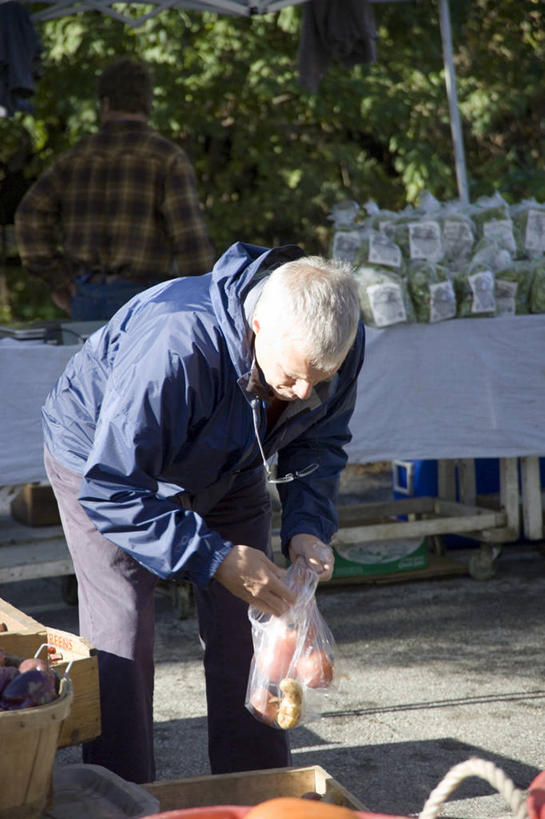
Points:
x=384, y=297
x=293, y=666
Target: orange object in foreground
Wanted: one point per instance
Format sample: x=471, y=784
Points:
x=293, y=808
x=212, y=812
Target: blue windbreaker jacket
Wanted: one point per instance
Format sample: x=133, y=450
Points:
x=154, y=409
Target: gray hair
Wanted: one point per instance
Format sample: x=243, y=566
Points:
x=315, y=301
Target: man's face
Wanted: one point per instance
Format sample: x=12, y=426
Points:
x=285, y=368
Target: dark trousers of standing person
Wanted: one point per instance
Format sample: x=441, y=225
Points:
x=116, y=612
x=97, y=299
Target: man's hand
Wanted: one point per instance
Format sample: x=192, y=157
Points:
x=249, y=574
x=318, y=556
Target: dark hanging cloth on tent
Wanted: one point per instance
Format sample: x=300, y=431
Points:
x=340, y=29
x=20, y=63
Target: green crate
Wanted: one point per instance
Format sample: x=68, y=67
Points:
x=384, y=557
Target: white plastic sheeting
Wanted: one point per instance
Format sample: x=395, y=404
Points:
x=466, y=388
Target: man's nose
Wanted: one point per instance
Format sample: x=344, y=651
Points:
x=302, y=388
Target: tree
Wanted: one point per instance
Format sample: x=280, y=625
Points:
x=271, y=158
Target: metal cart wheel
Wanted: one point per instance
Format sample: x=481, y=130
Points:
x=482, y=562
x=69, y=589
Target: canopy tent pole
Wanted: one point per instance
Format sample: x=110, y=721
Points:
x=450, y=81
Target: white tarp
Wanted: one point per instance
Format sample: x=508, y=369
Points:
x=466, y=388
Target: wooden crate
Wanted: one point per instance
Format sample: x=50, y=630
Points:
x=24, y=636
x=250, y=788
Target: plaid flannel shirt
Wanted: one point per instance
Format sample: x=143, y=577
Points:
x=122, y=202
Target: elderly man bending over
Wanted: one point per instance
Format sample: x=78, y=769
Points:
x=157, y=441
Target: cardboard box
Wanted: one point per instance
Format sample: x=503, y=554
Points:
x=24, y=636
x=35, y=505
x=381, y=557
x=250, y=788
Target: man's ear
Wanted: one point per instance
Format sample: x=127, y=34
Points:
x=256, y=327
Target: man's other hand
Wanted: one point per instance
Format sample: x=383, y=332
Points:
x=318, y=556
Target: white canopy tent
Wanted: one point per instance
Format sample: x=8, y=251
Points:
x=247, y=8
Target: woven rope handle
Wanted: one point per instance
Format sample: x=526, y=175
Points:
x=475, y=767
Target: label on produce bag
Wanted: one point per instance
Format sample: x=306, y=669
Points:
x=482, y=287
x=386, y=304
x=534, y=239
x=500, y=231
x=442, y=301
x=457, y=238
x=346, y=244
x=383, y=251
x=425, y=241
x=506, y=293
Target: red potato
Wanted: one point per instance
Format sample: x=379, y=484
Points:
x=315, y=669
x=7, y=673
x=274, y=659
x=33, y=662
x=28, y=689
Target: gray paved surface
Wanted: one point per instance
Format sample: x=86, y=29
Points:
x=432, y=672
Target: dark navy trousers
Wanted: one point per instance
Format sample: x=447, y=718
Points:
x=116, y=613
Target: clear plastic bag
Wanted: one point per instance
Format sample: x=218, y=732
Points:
x=293, y=666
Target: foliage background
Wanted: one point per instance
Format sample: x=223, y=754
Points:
x=271, y=158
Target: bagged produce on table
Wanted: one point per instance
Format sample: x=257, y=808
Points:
x=384, y=298
x=420, y=239
x=529, y=226
x=431, y=291
x=347, y=233
x=537, y=289
x=458, y=237
x=512, y=288
x=493, y=219
x=475, y=292
x=379, y=219
x=294, y=657
x=377, y=248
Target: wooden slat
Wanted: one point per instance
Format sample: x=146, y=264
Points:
x=249, y=788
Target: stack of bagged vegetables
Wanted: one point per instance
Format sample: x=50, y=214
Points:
x=440, y=261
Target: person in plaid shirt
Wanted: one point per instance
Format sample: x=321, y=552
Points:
x=117, y=213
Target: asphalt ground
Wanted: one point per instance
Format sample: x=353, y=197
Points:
x=431, y=673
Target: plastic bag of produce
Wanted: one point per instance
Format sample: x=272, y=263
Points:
x=512, y=288
x=458, y=236
x=384, y=297
x=537, y=289
x=529, y=228
x=347, y=233
x=493, y=219
x=377, y=248
x=379, y=219
x=420, y=239
x=293, y=665
x=431, y=291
